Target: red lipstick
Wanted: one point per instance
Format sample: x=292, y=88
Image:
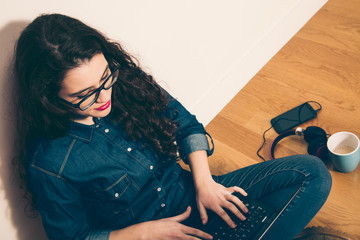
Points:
x=105, y=106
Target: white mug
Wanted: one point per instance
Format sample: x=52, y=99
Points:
x=344, y=149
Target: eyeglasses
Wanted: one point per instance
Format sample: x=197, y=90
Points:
x=88, y=100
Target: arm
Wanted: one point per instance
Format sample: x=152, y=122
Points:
x=59, y=203
x=190, y=134
x=194, y=149
x=211, y=195
x=162, y=229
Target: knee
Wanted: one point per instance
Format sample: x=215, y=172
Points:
x=318, y=173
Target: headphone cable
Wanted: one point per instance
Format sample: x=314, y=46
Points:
x=299, y=118
x=264, y=140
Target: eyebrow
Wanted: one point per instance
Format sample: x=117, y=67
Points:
x=84, y=90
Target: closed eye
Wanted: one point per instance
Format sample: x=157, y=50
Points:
x=88, y=91
x=85, y=95
x=107, y=73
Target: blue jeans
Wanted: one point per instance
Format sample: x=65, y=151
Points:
x=303, y=179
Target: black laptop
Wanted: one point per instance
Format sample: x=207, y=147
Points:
x=258, y=221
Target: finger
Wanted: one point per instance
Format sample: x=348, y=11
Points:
x=234, y=209
x=221, y=212
x=203, y=213
x=181, y=217
x=196, y=233
x=240, y=190
x=237, y=202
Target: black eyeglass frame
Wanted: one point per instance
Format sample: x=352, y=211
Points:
x=96, y=91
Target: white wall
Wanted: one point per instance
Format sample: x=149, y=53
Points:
x=202, y=51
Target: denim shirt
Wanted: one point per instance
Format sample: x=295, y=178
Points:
x=95, y=179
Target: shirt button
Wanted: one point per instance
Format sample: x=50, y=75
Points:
x=163, y=205
x=97, y=126
x=107, y=130
x=129, y=149
x=116, y=195
x=151, y=167
x=159, y=189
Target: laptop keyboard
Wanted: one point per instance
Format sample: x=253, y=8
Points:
x=258, y=216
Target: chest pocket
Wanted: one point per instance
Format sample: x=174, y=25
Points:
x=110, y=206
x=122, y=190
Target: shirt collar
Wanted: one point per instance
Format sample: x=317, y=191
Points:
x=82, y=131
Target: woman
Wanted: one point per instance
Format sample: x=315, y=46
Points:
x=101, y=140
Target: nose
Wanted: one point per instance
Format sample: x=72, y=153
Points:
x=104, y=95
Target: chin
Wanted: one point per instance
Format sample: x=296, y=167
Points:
x=86, y=117
x=102, y=114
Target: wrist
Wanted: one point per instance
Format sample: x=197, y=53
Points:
x=202, y=180
x=200, y=168
x=133, y=232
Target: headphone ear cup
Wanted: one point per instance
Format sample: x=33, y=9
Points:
x=314, y=132
x=315, y=144
x=316, y=138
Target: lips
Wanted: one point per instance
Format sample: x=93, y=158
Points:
x=105, y=106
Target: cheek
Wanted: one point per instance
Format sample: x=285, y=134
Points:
x=86, y=112
x=78, y=112
x=108, y=93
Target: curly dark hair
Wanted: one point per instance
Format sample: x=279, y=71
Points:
x=52, y=45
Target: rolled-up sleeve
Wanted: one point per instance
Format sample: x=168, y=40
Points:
x=191, y=135
x=192, y=143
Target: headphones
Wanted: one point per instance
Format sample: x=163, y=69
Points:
x=315, y=136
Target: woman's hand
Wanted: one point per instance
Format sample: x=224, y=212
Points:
x=171, y=228
x=162, y=229
x=211, y=195
x=216, y=197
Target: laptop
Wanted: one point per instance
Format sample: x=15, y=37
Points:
x=258, y=221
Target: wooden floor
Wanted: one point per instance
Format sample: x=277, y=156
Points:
x=320, y=63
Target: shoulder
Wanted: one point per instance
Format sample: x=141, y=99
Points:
x=48, y=155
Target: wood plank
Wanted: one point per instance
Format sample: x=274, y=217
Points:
x=321, y=63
